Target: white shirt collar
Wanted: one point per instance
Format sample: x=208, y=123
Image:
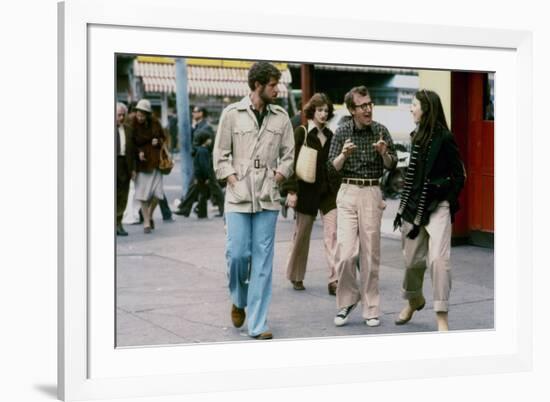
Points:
x=311, y=125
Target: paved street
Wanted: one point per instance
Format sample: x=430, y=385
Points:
x=171, y=286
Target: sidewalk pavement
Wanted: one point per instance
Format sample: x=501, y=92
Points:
x=172, y=287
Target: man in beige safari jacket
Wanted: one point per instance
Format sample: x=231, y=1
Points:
x=254, y=152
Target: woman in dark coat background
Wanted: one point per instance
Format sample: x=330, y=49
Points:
x=310, y=198
x=434, y=179
x=148, y=137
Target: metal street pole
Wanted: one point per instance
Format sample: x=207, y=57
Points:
x=184, y=124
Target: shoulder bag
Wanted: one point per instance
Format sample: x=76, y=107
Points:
x=307, y=162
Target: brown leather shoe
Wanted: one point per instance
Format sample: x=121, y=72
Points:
x=298, y=285
x=264, y=336
x=332, y=288
x=237, y=316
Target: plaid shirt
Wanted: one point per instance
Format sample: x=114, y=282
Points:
x=364, y=162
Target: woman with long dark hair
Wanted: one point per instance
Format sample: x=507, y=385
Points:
x=310, y=198
x=429, y=201
x=148, y=137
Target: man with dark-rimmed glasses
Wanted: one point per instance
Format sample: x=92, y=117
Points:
x=360, y=150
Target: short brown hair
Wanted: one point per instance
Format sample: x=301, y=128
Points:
x=318, y=99
x=360, y=90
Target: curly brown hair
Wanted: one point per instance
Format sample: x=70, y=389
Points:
x=262, y=71
x=317, y=100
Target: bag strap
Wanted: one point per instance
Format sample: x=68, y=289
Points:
x=305, y=135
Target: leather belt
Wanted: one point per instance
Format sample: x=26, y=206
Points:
x=361, y=182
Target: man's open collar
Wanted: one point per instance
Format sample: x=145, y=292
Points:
x=372, y=126
x=245, y=104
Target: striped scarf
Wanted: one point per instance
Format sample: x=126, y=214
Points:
x=409, y=180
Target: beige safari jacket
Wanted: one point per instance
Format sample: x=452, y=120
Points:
x=253, y=154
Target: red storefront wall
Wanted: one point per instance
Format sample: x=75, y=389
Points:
x=475, y=138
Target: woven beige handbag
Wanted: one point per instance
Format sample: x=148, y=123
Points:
x=307, y=162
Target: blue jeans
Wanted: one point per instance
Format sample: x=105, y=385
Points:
x=249, y=254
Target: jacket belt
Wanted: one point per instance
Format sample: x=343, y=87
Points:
x=254, y=163
x=361, y=182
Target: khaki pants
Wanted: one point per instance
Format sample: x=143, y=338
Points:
x=430, y=249
x=299, y=250
x=359, y=220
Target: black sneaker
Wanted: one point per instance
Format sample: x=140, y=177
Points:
x=343, y=315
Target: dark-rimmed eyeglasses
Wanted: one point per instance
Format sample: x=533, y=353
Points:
x=365, y=106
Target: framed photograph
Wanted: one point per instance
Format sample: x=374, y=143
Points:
x=95, y=361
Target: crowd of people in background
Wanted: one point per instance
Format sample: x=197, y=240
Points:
x=139, y=139
x=254, y=154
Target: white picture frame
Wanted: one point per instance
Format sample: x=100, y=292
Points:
x=89, y=365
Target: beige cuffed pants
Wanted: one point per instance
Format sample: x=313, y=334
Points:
x=299, y=250
x=430, y=249
x=359, y=220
